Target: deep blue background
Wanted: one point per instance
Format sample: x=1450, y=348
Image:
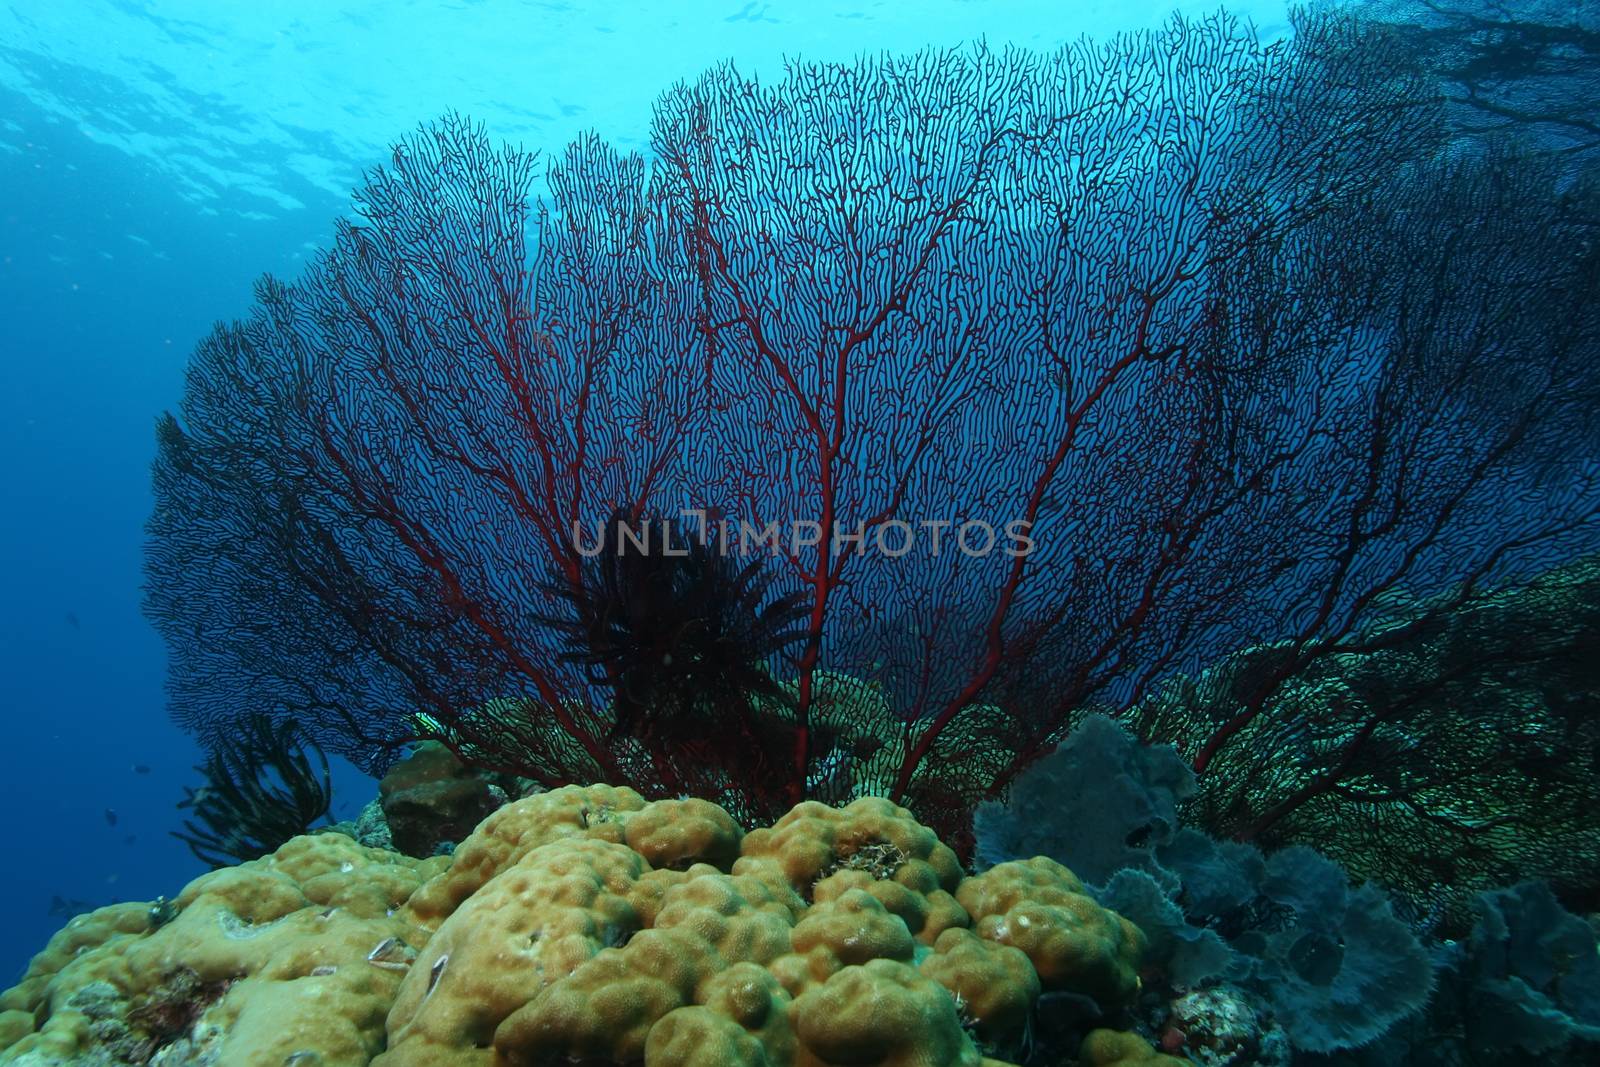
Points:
x=96, y=331
x=154, y=159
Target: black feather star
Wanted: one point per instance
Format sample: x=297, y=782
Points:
x=260, y=791
x=673, y=626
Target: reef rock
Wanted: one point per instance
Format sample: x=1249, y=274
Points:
x=431, y=800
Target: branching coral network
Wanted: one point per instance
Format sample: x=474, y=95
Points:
x=1222, y=325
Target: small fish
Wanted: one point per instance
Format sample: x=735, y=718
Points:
x=141, y=768
x=66, y=907
x=72, y=620
x=130, y=839
x=194, y=795
x=111, y=816
x=864, y=748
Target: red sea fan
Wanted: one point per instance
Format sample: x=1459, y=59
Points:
x=1110, y=300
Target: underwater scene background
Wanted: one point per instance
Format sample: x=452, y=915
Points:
x=1257, y=350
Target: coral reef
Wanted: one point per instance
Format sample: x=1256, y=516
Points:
x=1120, y=797
x=1112, y=1048
x=1450, y=748
x=369, y=827
x=1525, y=983
x=586, y=925
x=1528, y=979
x=1220, y=1027
x=272, y=961
x=1332, y=964
x=431, y=800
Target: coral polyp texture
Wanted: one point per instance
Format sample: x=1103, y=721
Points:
x=586, y=925
x=257, y=964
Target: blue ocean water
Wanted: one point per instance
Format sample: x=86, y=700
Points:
x=154, y=159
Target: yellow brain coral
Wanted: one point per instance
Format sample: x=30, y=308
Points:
x=587, y=925
x=1113, y=1048
x=1040, y=907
